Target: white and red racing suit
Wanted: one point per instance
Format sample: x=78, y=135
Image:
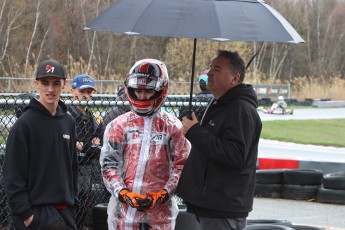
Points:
x=143, y=153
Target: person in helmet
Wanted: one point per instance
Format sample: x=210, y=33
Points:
x=143, y=153
x=280, y=105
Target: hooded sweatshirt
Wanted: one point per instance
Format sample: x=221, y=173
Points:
x=218, y=178
x=41, y=165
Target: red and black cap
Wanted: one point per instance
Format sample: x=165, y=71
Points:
x=50, y=68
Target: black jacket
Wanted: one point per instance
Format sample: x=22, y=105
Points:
x=116, y=111
x=87, y=129
x=41, y=165
x=218, y=178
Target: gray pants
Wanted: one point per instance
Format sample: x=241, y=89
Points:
x=207, y=223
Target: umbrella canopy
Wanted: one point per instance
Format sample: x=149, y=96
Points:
x=220, y=20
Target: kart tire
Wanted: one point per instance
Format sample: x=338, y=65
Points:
x=334, y=181
x=330, y=196
x=268, y=190
x=269, y=222
x=304, y=227
x=299, y=192
x=267, y=227
x=303, y=177
x=186, y=220
x=270, y=176
x=100, y=217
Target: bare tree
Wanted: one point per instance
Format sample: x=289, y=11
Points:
x=7, y=26
x=38, y=12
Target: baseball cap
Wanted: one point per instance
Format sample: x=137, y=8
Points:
x=50, y=68
x=203, y=77
x=83, y=81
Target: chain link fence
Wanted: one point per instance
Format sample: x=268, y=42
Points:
x=92, y=190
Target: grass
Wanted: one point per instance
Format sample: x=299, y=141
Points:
x=316, y=132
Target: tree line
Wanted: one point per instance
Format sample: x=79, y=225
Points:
x=35, y=30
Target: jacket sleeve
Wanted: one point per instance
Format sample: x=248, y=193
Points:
x=229, y=141
x=113, y=113
x=16, y=172
x=180, y=148
x=112, y=158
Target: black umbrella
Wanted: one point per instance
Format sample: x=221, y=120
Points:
x=219, y=20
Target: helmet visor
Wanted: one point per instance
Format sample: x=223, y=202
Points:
x=144, y=81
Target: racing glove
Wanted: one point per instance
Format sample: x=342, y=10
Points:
x=131, y=198
x=144, y=204
x=158, y=197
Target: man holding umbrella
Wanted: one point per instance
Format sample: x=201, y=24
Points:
x=218, y=180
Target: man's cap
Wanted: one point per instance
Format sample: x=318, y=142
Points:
x=83, y=81
x=203, y=77
x=50, y=68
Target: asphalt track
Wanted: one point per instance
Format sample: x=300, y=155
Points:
x=306, y=114
x=329, y=216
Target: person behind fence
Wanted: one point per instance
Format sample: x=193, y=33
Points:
x=280, y=105
x=203, y=96
x=203, y=81
x=143, y=154
x=116, y=110
x=88, y=146
x=41, y=165
x=218, y=180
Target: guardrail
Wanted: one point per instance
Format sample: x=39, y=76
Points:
x=103, y=86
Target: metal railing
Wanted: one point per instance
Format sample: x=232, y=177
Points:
x=110, y=86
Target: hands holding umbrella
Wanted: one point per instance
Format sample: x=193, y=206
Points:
x=189, y=122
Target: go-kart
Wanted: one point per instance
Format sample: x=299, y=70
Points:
x=278, y=111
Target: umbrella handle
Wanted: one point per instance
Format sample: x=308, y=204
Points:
x=190, y=109
x=189, y=114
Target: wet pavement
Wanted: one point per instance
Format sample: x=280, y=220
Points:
x=306, y=114
x=329, y=216
x=310, y=213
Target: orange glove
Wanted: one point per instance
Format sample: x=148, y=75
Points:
x=130, y=198
x=158, y=197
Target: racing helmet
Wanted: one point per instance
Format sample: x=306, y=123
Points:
x=280, y=98
x=147, y=74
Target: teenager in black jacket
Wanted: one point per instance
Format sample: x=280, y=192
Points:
x=41, y=167
x=218, y=179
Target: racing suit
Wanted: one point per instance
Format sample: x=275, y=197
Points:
x=143, y=153
x=282, y=105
